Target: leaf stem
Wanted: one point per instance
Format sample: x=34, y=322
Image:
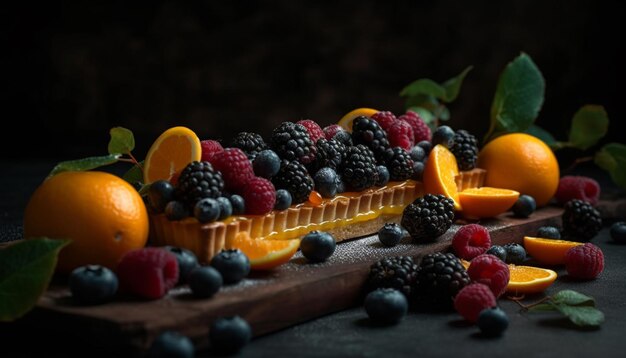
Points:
x=134, y=160
x=527, y=307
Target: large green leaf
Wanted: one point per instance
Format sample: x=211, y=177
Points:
x=582, y=315
x=572, y=298
x=85, y=164
x=453, y=85
x=26, y=268
x=612, y=158
x=122, y=140
x=134, y=174
x=536, y=131
x=589, y=125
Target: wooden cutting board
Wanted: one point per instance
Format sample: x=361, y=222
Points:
x=295, y=292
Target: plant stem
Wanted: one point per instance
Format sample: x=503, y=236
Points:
x=135, y=160
x=526, y=307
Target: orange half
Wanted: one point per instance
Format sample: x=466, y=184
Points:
x=264, y=254
x=439, y=173
x=346, y=121
x=170, y=153
x=529, y=279
x=548, y=251
x=486, y=202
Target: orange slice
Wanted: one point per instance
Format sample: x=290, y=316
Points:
x=439, y=173
x=264, y=254
x=346, y=121
x=528, y=279
x=170, y=153
x=548, y=251
x=486, y=202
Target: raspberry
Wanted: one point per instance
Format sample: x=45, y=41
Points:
x=385, y=119
x=577, y=187
x=491, y=271
x=400, y=134
x=259, y=195
x=235, y=167
x=470, y=241
x=210, y=147
x=472, y=299
x=420, y=128
x=314, y=129
x=584, y=261
x=149, y=272
x=331, y=130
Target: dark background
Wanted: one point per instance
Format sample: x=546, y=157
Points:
x=72, y=70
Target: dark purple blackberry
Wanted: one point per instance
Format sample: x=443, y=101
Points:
x=330, y=153
x=359, y=168
x=294, y=178
x=291, y=141
x=368, y=132
x=581, y=221
x=428, y=217
x=399, y=163
x=198, y=181
x=465, y=149
x=396, y=272
x=440, y=277
x=250, y=143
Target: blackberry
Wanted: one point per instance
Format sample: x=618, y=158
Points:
x=368, y=132
x=465, y=149
x=359, y=168
x=198, y=181
x=399, y=163
x=294, y=178
x=250, y=143
x=440, y=277
x=397, y=272
x=292, y=142
x=428, y=217
x=581, y=221
x=330, y=153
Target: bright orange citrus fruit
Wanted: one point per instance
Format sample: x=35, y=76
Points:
x=528, y=279
x=439, y=173
x=170, y=153
x=346, y=121
x=523, y=163
x=486, y=202
x=264, y=254
x=103, y=215
x=548, y=251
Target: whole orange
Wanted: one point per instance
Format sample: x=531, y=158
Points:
x=523, y=163
x=103, y=215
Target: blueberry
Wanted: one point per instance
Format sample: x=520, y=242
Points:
x=383, y=175
x=386, y=305
x=497, y=251
x=515, y=254
x=390, y=234
x=238, y=204
x=226, y=208
x=443, y=135
x=418, y=171
x=229, y=335
x=618, y=232
x=549, y=232
x=160, y=193
x=283, y=199
x=341, y=186
x=93, y=284
x=205, y=281
x=492, y=321
x=207, y=210
x=326, y=182
x=232, y=264
x=176, y=210
x=171, y=344
x=418, y=153
x=426, y=145
x=524, y=206
x=187, y=261
x=266, y=164
x=317, y=246
x=343, y=137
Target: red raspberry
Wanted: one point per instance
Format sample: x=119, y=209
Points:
x=491, y=271
x=470, y=241
x=420, y=128
x=331, y=130
x=210, y=147
x=149, y=272
x=235, y=167
x=577, y=187
x=472, y=299
x=385, y=119
x=259, y=196
x=314, y=129
x=401, y=135
x=584, y=262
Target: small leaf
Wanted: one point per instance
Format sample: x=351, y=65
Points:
x=84, y=164
x=543, y=307
x=424, y=113
x=612, y=158
x=424, y=86
x=589, y=125
x=453, y=85
x=134, y=174
x=544, y=135
x=122, y=140
x=442, y=113
x=572, y=298
x=582, y=315
x=26, y=268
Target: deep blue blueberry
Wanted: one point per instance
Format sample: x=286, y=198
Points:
x=187, y=261
x=497, y=251
x=229, y=335
x=207, y=210
x=383, y=175
x=176, y=210
x=343, y=137
x=492, y=321
x=417, y=153
x=326, y=182
x=618, y=232
x=171, y=344
x=524, y=206
x=226, y=208
x=160, y=193
x=386, y=305
x=341, y=185
x=317, y=246
x=283, y=199
x=426, y=145
x=205, y=281
x=443, y=135
x=515, y=254
x=418, y=171
x=234, y=265
x=549, y=232
x=93, y=284
x=390, y=234
x=238, y=204
x=266, y=164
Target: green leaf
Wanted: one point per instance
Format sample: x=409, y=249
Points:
x=519, y=97
x=544, y=135
x=134, y=174
x=122, y=140
x=453, y=85
x=572, y=298
x=582, y=315
x=442, y=113
x=84, y=164
x=424, y=86
x=26, y=268
x=612, y=158
x=589, y=125
x=543, y=307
